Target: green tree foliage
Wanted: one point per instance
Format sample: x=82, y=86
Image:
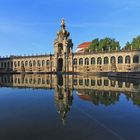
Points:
x=135, y=44
x=94, y=45
x=127, y=46
x=106, y=44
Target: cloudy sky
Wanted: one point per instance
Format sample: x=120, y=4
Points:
x=30, y=26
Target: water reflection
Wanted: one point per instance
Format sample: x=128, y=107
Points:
x=63, y=98
x=88, y=107
x=99, y=97
x=98, y=90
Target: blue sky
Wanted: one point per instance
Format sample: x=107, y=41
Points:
x=30, y=26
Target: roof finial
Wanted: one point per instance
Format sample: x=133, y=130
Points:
x=63, y=23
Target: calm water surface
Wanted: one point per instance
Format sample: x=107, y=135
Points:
x=47, y=107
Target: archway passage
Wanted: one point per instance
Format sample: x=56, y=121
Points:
x=60, y=64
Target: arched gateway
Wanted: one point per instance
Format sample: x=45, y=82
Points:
x=63, y=50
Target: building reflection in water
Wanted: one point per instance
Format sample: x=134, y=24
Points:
x=98, y=90
x=63, y=98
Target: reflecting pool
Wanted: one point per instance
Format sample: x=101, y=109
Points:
x=69, y=107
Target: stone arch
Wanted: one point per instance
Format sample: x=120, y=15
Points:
x=86, y=61
x=127, y=59
x=135, y=59
x=15, y=64
x=113, y=59
x=106, y=60
x=47, y=62
x=120, y=60
x=11, y=64
x=22, y=63
x=99, y=82
x=5, y=65
x=8, y=64
x=87, y=82
x=18, y=63
x=38, y=63
x=92, y=60
x=26, y=63
x=30, y=63
x=99, y=60
x=1, y=64
x=60, y=64
x=75, y=61
x=34, y=63
x=81, y=61
x=43, y=62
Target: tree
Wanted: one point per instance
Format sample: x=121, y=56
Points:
x=105, y=44
x=135, y=44
x=94, y=45
x=127, y=46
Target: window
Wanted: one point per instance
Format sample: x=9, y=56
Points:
x=18, y=63
x=1, y=64
x=113, y=83
x=87, y=82
x=135, y=59
x=86, y=61
x=106, y=82
x=93, y=82
x=47, y=62
x=92, y=60
x=15, y=64
x=127, y=59
x=34, y=63
x=106, y=60
x=120, y=60
x=26, y=63
x=38, y=63
x=5, y=65
x=22, y=63
x=75, y=82
x=99, y=82
x=11, y=64
x=43, y=63
x=74, y=61
x=8, y=64
x=30, y=63
x=81, y=61
x=99, y=60
x=120, y=84
x=80, y=81
x=113, y=59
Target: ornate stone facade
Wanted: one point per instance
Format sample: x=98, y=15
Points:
x=64, y=60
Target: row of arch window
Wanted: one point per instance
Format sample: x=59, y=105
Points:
x=81, y=82
x=32, y=63
x=106, y=60
x=26, y=63
x=101, y=82
x=26, y=81
x=6, y=64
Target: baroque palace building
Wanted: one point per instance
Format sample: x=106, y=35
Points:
x=65, y=60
